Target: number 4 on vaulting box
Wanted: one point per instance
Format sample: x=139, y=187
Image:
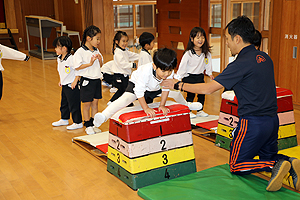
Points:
x=144, y=151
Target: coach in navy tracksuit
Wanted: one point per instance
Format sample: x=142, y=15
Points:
x=251, y=76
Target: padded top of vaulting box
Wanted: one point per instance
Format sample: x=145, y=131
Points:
x=281, y=92
x=214, y=183
x=136, y=114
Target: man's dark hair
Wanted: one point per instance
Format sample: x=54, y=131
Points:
x=146, y=38
x=63, y=41
x=243, y=27
x=165, y=59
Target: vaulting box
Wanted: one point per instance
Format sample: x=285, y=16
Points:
x=136, y=126
x=229, y=106
x=228, y=119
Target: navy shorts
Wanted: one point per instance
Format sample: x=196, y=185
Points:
x=90, y=89
x=149, y=95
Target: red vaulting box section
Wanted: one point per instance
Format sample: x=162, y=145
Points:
x=136, y=126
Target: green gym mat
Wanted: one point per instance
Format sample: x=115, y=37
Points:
x=216, y=183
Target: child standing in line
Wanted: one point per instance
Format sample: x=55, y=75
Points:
x=146, y=40
x=70, y=95
x=9, y=53
x=194, y=62
x=87, y=62
x=144, y=85
x=123, y=63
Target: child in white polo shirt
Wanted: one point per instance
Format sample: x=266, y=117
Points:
x=146, y=40
x=123, y=63
x=87, y=62
x=70, y=95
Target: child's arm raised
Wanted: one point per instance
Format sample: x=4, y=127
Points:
x=83, y=66
x=121, y=61
x=100, y=58
x=133, y=56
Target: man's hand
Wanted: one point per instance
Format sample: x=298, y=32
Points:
x=168, y=83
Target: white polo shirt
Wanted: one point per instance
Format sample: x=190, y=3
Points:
x=145, y=80
x=66, y=69
x=191, y=63
x=123, y=61
x=83, y=56
x=107, y=67
x=9, y=53
x=144, y=57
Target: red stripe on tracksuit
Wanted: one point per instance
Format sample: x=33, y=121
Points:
x=237, y=145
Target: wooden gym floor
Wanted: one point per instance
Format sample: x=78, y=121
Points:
x=38, y=161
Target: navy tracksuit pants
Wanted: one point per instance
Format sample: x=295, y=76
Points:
x=255, y=135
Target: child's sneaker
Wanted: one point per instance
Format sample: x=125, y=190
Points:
x=194, y=105
x=99, y=119
x=201, y=113
x=75, y=126
x=192, y=115
x=61, y=122
x=97, y=130
x=113, y=90
x=89, y=130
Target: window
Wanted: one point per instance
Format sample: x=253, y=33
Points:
x=216, y=13
x=123, y=16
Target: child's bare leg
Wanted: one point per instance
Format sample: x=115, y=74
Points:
x=86, y=110
x=94, y=107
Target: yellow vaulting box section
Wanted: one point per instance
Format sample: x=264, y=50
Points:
x=151, y=161
x=284, y=131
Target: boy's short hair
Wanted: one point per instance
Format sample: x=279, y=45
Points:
x=243, y=27
x=146, y=38
x=63, y=41
x=165, y=59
